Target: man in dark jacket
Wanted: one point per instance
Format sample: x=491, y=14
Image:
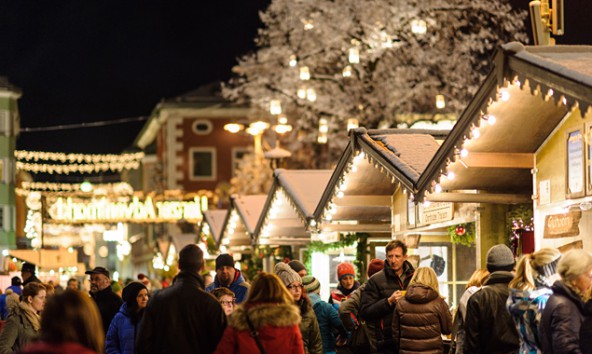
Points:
x=229, y=277
x=28, y=274
x=100, y=290
x=382, y=292
x=182, y=318
x=489, y=327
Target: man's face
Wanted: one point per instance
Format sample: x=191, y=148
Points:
x=25, y=275
x=98, y=282
x=225, y=274
x=73, y=284
x=396, y=259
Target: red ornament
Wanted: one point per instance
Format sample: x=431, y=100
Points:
x=460, y=230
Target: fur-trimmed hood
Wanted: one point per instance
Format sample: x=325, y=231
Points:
x=280, y=315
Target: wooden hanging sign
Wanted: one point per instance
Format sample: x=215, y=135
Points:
x=562, y=225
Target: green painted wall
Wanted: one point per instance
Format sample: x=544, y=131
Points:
x=491, y=228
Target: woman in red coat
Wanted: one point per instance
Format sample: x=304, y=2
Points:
x=271, y=310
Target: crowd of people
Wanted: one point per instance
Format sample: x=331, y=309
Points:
x=542, y=304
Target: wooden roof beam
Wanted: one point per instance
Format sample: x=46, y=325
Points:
x=498, y=160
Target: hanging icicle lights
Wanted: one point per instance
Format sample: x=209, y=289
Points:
x=62, y=163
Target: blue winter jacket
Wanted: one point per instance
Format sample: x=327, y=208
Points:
x=239, y=286
x=121, y=335
x=328, y=318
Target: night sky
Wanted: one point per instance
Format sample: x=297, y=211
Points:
x=87, y=61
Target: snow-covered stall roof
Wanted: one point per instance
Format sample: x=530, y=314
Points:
x=291, y=201
x=241, y=220
x=491, y=148
x=374, y=164
x=212, y=223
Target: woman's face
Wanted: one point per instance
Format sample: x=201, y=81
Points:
x=142, y=298
x=347, y=282
x=583, y=281
x=37, y=302
x=295, y=289
x=227, y=303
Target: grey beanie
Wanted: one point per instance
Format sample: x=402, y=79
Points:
x=500, y=257
x=286, y=274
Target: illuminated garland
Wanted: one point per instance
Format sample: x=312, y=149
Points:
x=77, y=168
x=72, y=187
x=77, y=158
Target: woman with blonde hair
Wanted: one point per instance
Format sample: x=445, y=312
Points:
x=71, y=323
x=529, y=291
x=266, y=322
x=23, y=322
x=477, y=280
x=421, y=316
x=563, y=314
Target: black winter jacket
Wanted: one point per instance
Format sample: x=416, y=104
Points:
x=489, y=327
x=182, y=318
x=561, y=321
x=375, y=307
x=108, y=303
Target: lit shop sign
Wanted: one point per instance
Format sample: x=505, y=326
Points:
x=103, y=210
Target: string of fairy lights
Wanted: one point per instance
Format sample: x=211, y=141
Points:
x=63, y=163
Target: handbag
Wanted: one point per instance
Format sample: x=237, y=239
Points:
x=359, y=342
x=255, y=335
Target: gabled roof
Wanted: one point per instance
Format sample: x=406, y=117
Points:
x=5, y=85
x=519, y=104
x=214, y=219
x=291, y=201
x=374, y=164
x=241, y=220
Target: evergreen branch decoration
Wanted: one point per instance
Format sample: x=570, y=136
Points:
x=463, y=234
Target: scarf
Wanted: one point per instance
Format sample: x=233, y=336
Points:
x=345, y=291
x=31, y=316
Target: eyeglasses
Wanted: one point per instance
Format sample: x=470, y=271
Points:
x=295, y=286
x=227, y=303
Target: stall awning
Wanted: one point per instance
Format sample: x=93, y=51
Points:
x=290, y=203
x=215, y=220
x=241, y=220
x=490, y=151
x=374, y=164
x=47, y=259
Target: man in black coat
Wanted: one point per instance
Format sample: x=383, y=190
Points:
x=182, y=318
x=382, y=292
x=489, y=327
x=100, y=290
x=28, y=274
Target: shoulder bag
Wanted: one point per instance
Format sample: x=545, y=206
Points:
x=255, y=335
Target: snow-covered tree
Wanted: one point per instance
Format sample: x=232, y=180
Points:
x=369, y=60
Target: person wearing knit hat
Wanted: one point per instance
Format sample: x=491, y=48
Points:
x=327, y=315
x=347, y=284
x=298, y=267
x=120, y=337
x=309, y=327
x=529, y=291
x=489, y=327
x=229, y=277
x=350, y=308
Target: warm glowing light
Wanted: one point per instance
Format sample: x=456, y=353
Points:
x=293, y=61
x=450, y=175
x=464, y=153
x=233, y=127
x=354, y=55
x=311, y=95
x=352, y=123
x=347, y=71
x=438, y=188
x=275, y=107
x=323, y=125
x=304, y=73
x=490, y=119
x=86, y=186
x=419, y=26
x=308, y=25
x=301, y=93
x=475, y=133
x=440, y=101
x=283, y=128
x=340, y=194
x=282, y=119
x=504, y=95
